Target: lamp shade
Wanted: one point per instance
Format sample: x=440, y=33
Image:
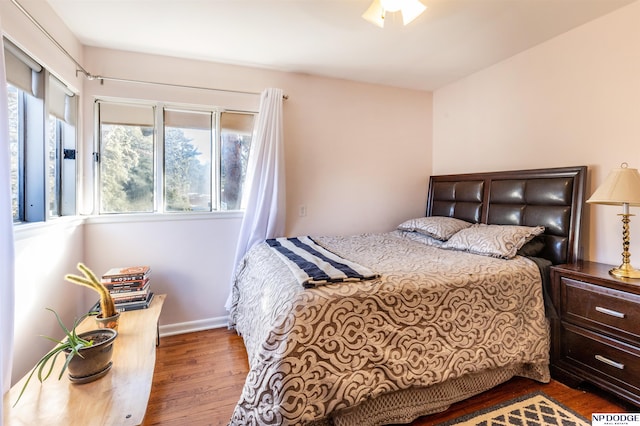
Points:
x=622, y=186
x=410, y=10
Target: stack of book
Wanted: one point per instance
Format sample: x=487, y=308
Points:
x=129, y=287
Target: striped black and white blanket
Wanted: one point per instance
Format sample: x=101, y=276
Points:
x=313, y=265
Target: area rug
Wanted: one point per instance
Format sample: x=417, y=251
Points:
x=534, y=409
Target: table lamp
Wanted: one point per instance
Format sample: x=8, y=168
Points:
x=621, y=188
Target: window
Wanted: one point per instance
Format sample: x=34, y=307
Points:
x=186, y=160
x=126, y=158
x=41, y=129
x=61, y=138
x=188, y=153
x=235, y=136
x=15, y=112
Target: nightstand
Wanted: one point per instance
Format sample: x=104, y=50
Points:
x=596, y=338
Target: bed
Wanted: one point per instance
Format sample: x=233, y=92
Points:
x=441, y=318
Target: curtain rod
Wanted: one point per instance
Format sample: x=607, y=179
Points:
x=90, y=76
x=182, y=86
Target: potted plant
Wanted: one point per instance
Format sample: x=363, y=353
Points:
x=108, y=316
x=94, y=350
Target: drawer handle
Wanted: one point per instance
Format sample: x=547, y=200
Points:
x=610, y=312
x=610, y=362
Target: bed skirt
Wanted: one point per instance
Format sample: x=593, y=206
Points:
x=406, y=405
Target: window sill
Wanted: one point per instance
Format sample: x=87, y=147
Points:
x=160, y=217
x=26, y=230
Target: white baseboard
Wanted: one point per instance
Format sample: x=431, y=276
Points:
x=191, y=326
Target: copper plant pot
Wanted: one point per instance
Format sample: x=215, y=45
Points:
x=109, y=322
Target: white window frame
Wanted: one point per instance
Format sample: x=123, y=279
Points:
x=34, y=154
x=159, y=173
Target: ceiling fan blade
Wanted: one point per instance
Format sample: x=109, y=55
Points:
x=411, y=9
x=375, y=14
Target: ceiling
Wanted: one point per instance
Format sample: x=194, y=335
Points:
x=452, y=39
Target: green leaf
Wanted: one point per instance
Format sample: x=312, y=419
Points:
x=66, y=363
x=51, y=359
x=59, y=321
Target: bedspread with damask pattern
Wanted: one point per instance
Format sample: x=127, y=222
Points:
x=433, y=315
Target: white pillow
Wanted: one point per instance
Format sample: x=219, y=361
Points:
x=438, y=227
x=421, y=238
x=501, y=241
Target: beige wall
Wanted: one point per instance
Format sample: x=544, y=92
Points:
x=358, y=156
x=574, y=100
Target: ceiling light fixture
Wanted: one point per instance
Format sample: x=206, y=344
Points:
x=410, y=10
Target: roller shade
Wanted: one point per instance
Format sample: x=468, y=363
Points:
x=187, y=120
x=133, y=115
x=236, y=122
x=61, y=101
x=22, y=71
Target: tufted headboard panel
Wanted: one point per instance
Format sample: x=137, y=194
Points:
x=552, y=198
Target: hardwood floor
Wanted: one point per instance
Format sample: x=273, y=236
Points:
x=199, y=377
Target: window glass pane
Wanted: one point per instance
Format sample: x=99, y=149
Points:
x=187, y=160
x=53, y=165
x=236, y=132
x=14, y=146
x=126, y=168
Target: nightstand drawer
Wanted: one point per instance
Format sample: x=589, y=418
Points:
x=596, y=336
x=601, y=307
x=607, y=358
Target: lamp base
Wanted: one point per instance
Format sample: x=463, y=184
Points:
x=625, y=271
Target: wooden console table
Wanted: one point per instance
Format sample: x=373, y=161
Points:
x=118, y=398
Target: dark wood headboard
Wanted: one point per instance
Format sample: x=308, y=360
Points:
x=552, y=198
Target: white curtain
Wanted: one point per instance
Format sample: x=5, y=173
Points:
x=265, y=196
x=6, y=237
